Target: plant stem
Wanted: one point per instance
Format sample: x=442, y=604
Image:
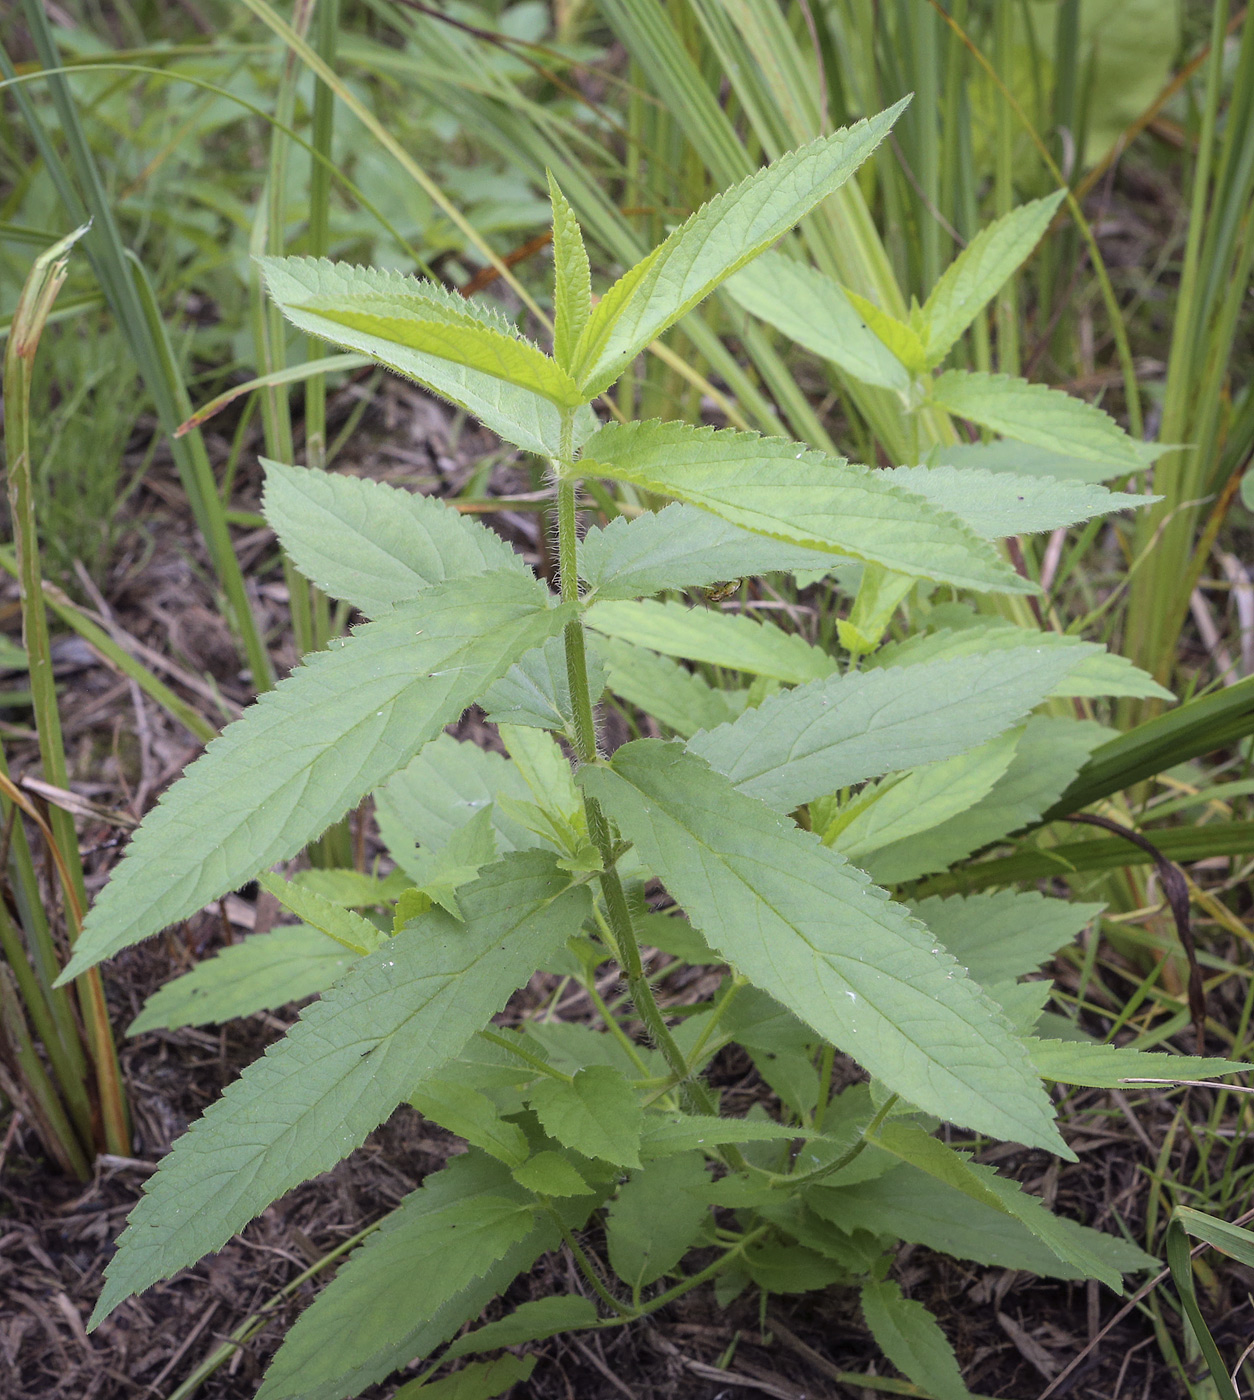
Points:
x=586, y=1269
x=863, y=1142
x=586, y=752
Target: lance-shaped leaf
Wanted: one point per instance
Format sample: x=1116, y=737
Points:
x=775, y=487
x=974, y=277
x=911, y=1144
x=395, y=1301
x=1110, y=1066
x=351, y=930
x=722, y=639
x=511, y=358
x=676, y=697
x=887, y=813
x=264, y=971
x=371, y=544
x=1050, y=753
x=827, y=735
x=1037, y=414
x=912, y=1340
x=901, y=339
x=801, y=923
x=440, y=791
x=572, y=289
x=911, y=1205
x=312, y=748
x=997, y=937
x=354, y=1055
x=1094, y=671
x=816, y=312
x=998, y=504
x=719, y=239
x=527, y=419
x=681, y=547
x=1006, y=455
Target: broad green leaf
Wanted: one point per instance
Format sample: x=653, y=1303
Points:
x=681, y=547
x=1050, y=753
x=656, y=1217
x=668, y=1133
x=529, y=1322
x=780, y=1046
x=309, y=750
x=354, y=1055
x=546, y=771
x=528, y=420
x=998, y=504
x=265, y=971
x=912, y=1340
x=1037, y=414
x=976, y=275
x=803, y=743
x=806, y=927
x=1093, y=672
x=551, y=1174
x=779, y=1266
x=707, y=634
x=570, y=1046
x=673, y=695
x=880, y=591
x=390, y=1303
x=1000, y=936
x=911, y=1144
x=353, y=889
x=373, y=545
x=482, y=1380
x=598, y=1115
x=518, y=362
x=775, y=487
x=907, y=1204
x=440, y=873
x=473, y=1116
x=536, y=690
x=1024, y=459
x=1112, y=1066
x=815, y=311
x=719, y=239
x=897, y=809
x=442, y=789
x=572, y=292
x=901, y=340
x=350, y=930
x=1231, y=1240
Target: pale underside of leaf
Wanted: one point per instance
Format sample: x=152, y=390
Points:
x=833, y=733
x=354, y=1055
x=719, y=239
x=371, y=544
x=309, y=750
x=775, y=487
x=808, y=928
x=516, y=361
x=722, y=639
x=528, y=420
x=1036, y=414
x=815, y=311
x=1024, y=459
x=682, y=547
x=998, y=504
x=265, y=971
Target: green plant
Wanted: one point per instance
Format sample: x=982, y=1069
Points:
x=81, y=1105
x=924, y=751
